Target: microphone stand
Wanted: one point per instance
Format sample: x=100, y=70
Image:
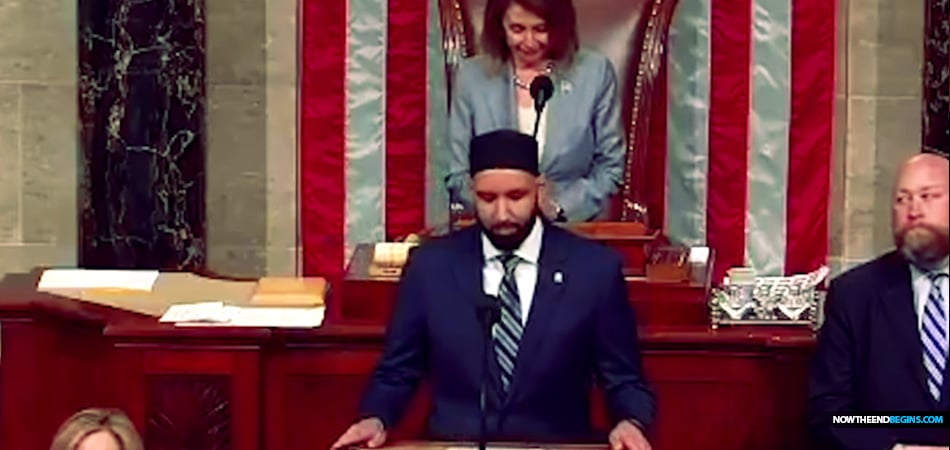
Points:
x=539, y=105
x=490, y=314
x=541, y=90
x=537, y=121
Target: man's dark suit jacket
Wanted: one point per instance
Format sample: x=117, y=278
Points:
x=869, y=358
x=578, y=329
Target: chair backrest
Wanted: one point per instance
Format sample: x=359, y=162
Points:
x=633, y=34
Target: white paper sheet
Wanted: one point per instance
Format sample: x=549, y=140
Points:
x=698, y=255
x=139, y=280
x=219, y=314
x=277, y=317
x=196, y=312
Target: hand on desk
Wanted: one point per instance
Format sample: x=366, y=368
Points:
x=627, y=436
x=369, y=432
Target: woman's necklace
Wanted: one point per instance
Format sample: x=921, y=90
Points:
x=548, y=70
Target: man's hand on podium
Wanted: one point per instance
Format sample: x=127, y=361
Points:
x=369, y=432
x=627, y=436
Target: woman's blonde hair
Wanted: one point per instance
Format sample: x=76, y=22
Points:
x=93, y=420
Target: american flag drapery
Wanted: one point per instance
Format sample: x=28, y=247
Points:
x=750, y=127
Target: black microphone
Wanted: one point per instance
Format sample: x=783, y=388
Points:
x=541, y=89
x=489, y=313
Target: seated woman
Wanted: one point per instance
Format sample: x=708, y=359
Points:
x=97, y=429
x=581, y=147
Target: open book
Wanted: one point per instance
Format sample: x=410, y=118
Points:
x=221, y=314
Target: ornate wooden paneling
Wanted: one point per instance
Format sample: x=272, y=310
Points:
x=188, y=412
x=256, y=389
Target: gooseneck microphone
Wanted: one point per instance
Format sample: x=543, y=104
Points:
x=489, y=313
x=541, y=89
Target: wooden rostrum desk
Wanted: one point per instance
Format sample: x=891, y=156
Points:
x=283, y=389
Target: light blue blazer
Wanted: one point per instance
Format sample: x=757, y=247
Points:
x=584, y=146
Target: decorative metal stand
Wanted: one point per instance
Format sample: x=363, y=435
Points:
x=791, y=300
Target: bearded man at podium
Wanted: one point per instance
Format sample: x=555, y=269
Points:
x=510, y=322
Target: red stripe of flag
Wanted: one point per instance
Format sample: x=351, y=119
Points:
x=731, y=44
x=321, y=137
x=406, y=86
x=811, y=133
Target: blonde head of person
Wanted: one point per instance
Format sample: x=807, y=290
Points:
x=97, y=429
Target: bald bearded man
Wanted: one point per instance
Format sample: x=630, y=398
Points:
x=883, y=346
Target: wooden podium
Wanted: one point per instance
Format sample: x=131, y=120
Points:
x=298, y=389
x=732, y=388
x=432, y=445
x=368, y=298
x=630, y=239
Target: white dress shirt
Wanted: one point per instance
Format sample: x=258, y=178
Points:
x=922, y=286
x=526, y=273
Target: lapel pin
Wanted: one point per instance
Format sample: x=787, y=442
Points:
x=558, y=277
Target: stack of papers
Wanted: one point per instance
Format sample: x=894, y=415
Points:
x=221, y=314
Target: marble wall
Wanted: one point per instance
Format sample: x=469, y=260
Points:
x=252, y=137
x=142, y=118
x=879, y=120
x=38, y=134
x=936, y=87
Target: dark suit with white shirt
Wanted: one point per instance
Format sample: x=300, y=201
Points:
x=578, y=328
x=869, y=357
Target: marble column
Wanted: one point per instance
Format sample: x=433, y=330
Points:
x=936, y=106
x=142, y=118
x=879, y=95
x=252, y=137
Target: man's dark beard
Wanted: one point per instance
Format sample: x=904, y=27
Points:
x=926, y=248
x=512, y=241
